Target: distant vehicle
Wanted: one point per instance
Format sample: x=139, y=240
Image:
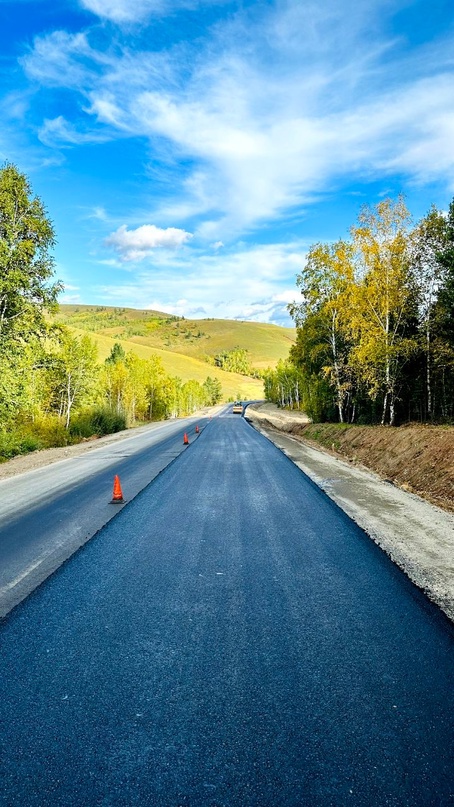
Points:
x=237, y=408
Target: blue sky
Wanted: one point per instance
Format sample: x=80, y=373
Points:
x=189, y=152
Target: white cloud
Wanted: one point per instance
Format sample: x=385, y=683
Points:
x=60, y=59
x=58, y=132
x=98, y=213
x=15, y=105
x=71, y=293
x=108, y=112
x=109, y=262
x=70, y=299
x=286, y=296
x=135, y=245
x=276, y=107
x=69, y=287
x=244, y=283
x=127, y=11
x=120, y=11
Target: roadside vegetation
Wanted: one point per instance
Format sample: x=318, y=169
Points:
x=373, y=342
x=375, y=325
x=55, y=388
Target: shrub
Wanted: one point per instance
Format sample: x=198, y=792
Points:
x=50, y=430
x=97, y=421
x=81, y=426
x=14, y=443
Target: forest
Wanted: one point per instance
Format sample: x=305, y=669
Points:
x=375, y=324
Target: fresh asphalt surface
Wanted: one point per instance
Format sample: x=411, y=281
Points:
x=230, y=639
x=47, y=514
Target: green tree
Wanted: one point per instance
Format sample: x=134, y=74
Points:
x=234, y=361
x=213, y=391
x=429, y=240
x=325, y=284
x=136, y=390
x=383, y=301
x=156, y=388
x=26, y=265
x=192, y=397
x=21, y=387
x=444, y=314
x=73, y=372
x=174, y=393
x=117, y=354
x=114, y=383
x=446, y=293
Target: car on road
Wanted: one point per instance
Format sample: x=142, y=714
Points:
x=237, y=408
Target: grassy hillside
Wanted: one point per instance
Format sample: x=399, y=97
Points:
x=186, y=347
x=185, y=367
x=200, y=339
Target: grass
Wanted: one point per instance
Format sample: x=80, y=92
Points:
x=185, y=367
x=200, y=339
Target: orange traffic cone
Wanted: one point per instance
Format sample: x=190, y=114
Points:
x=117, y=495
x=197, y=429
x=185, y=439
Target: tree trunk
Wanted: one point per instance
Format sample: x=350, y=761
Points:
x=336, y=369
x=68, y=401
x=428, y=376
x=385, y=409
x=392, y=410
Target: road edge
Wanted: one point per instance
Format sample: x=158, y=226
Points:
x=427, y=563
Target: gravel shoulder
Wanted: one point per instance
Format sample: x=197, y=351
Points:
x=47, y=456
x=417, y=535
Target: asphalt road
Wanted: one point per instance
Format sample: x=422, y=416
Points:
x=48, y=513
x=229, y=639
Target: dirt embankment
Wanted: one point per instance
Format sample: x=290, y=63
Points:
x=415, y=457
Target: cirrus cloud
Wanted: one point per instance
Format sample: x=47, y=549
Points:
x=124, y=11
x=258, y=120
x=254, y=125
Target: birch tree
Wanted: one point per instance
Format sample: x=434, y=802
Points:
x=325, y=285
x=74, y=372
x=428, y=241
x=383, y=301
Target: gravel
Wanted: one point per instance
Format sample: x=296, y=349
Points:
x=417, y=535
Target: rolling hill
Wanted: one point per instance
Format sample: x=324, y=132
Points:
x=187, y=348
